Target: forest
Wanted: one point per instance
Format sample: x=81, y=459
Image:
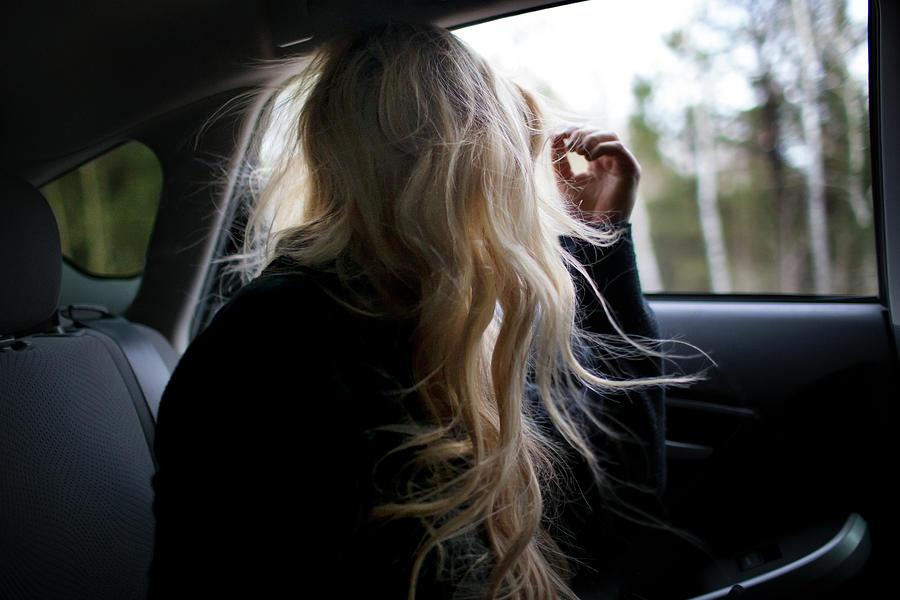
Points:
x=750, y=120
x=775, y=197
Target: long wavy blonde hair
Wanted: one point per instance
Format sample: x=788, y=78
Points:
x=407, y=161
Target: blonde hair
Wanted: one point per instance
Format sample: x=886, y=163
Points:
x=410, y=165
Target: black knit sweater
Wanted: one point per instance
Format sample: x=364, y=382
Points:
x=267, y=444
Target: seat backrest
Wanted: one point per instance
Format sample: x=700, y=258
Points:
x=76, y=465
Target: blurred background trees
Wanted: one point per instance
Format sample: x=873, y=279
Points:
x=780, y=190
x=106, y=208
x=749, y=117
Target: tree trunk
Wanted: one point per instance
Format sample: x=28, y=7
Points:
x=817, y=218
x=707, y=192
x=836, y=37
x=651, y=280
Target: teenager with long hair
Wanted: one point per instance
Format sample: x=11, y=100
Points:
x=440, y=381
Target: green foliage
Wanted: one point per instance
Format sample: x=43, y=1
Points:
x=762, y=155
x=106, y=208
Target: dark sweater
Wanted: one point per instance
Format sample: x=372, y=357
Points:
x=266, y=443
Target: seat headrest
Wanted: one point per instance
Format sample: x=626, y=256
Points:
x=30, y=257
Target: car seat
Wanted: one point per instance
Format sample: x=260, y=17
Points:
x=77, y=418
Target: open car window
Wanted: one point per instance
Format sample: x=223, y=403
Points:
x=750, y=120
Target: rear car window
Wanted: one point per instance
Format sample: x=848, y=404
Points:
x=106, y=209
x=750, y=120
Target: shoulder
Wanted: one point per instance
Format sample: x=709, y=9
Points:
x=272, y=346
x=277, y=326
x=280, y=299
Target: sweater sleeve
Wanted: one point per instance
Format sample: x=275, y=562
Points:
x=639, y=458
x=591, y=527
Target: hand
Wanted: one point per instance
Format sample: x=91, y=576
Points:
x=607, y=190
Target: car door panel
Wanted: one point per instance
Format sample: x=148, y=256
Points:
x=773, y=455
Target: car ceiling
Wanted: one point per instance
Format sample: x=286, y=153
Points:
x=81, y=76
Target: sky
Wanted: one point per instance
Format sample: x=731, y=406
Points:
x=590, y=53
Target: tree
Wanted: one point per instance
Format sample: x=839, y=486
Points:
x=782, y=180
x=810, y=76
x=668, y=196
x=703, y=134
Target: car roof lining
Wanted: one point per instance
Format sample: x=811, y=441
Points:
x=85, y=80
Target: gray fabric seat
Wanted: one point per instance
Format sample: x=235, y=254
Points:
x=76, y=461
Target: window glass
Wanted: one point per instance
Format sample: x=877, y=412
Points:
x=105, y=210
x=749, y=118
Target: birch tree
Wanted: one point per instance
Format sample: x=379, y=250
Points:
x=817, y=217
x=835, y=39
x=762, y=21
x=707, y=199
x=703, y=135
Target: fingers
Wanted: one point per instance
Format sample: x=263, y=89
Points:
x=582, y=141
x=593, y=145
x=607, y=190
x=625, y=162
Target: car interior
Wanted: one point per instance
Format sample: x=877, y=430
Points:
x=777, y=457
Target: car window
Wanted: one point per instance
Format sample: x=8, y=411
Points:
x=106, y=209
x=750, y=120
